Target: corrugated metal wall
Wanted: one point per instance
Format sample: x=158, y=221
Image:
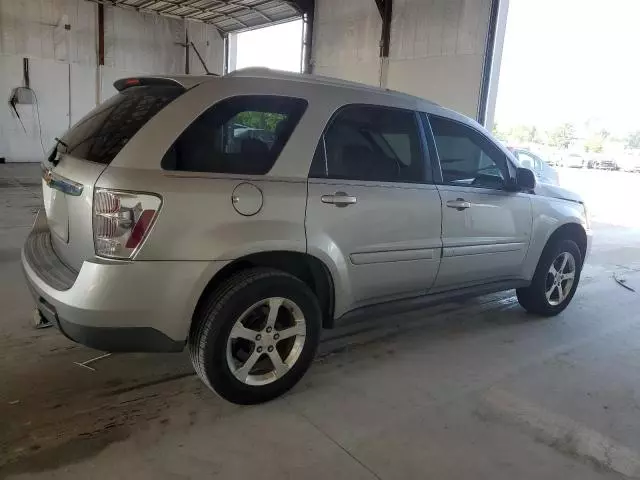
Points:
x=63, y=62
x=36, y=29
x=437, y=47
x=209, y=44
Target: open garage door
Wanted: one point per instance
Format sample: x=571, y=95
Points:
x=568, y=108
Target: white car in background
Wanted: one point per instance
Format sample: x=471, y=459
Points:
x=573, y=160
x=629, y=163
x=544, y=172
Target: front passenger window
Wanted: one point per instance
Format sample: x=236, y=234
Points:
x=371, y=143
x=467, y=158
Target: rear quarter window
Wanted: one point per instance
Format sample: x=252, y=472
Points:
x=240, y=135
x=102, y=133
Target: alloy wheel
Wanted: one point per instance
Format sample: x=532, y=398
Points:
x=266, y=341
x=560, y=278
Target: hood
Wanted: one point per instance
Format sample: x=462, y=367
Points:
x=554, y=191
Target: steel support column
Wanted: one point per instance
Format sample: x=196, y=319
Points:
x=100, y=34
x=488, y=62
x=307, y=45
x=385, y=7
x=308, y=9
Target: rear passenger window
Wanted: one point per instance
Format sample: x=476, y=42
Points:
x=371, y=144
x=241, y=135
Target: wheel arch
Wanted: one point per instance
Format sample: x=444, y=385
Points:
x=570, y=231
x=309, y=269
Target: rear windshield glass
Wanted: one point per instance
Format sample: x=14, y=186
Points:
x=101, y=134
x=240, y=135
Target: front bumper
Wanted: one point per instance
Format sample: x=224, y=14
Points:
x=119, y=306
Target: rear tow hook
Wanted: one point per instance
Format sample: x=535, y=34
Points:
x=39, y=321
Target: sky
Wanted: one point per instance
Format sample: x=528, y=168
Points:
x=277, y=47
x=571, y=60
x=563, y=61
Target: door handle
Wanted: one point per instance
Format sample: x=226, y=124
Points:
x=339, y=199
x=459, y=204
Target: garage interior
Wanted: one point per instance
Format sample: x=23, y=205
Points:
x=469, y=389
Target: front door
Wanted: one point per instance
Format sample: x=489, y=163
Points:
x=485, y=228
x=372, y=209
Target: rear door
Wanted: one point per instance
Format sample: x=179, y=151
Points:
x=78, y=159
x=485, y=228
x=372, y=207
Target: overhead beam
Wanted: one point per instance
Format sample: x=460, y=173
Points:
x=303, y=6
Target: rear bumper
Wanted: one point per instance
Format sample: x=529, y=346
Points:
x=121, y=306
x=110, y=339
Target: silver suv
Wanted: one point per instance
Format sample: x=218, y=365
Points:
x=240, y=215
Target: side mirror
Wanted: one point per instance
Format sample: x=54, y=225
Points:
x=525, y=179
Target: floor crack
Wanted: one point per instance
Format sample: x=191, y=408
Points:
x=337, y=444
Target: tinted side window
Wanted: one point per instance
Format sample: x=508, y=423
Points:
x=102, y=133
x=371, y=144
x=467, y=158
x=242, y=135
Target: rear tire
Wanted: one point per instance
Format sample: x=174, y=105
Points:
x=552, y=286
x=255, y=335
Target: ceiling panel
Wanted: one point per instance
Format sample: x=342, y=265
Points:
x=226, y=15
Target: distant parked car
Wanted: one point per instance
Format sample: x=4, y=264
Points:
x=544, y=172
x=629, y=163
x=574, y=160
x=608, y=163
x=594, y=160
x=554, y=160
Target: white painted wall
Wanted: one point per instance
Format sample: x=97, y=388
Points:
x=36, y=30
x=63, y=63
x=346, y=40
x=437, y=50
x=210, y=45
x=437, y=47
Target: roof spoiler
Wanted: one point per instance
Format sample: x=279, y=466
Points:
x=125, y=83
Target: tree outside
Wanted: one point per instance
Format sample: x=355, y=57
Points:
x=518, y=134
x=562, y=135
x=263, y=120
x=633, y=140
x=595, y=142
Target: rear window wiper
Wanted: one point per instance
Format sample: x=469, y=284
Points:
x=52, y=158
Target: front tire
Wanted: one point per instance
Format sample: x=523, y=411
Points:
x=256, y=335
x=555, y=280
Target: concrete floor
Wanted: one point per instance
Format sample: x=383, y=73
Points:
x=477, y=389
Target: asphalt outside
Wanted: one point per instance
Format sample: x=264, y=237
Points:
x=473, y=389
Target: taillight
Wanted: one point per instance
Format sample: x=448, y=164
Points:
x=121, y=221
